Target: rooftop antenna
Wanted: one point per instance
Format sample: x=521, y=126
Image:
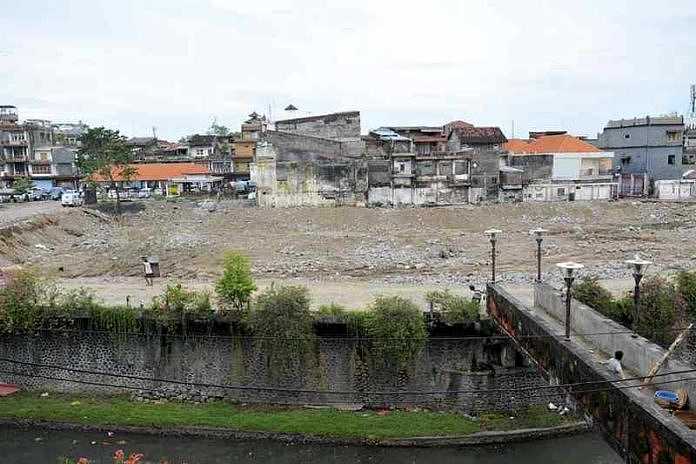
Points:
x=154, y=132
x=692, y=108
x=513, y=129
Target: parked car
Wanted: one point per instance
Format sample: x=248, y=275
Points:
x=7, y=195
x=37, y=193
x=71, y=198
x=56, y=192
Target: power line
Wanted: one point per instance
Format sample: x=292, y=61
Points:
x=334, y=392
x=538, y=395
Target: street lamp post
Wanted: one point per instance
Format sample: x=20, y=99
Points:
x=539, y=237
x=493, y=236
x=639, y=266
x=568, y=269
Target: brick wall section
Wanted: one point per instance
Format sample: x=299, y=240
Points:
x=632, y=423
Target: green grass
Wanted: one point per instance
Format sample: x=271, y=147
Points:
x=319, y=422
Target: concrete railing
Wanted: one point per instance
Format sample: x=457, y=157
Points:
x=640, y=355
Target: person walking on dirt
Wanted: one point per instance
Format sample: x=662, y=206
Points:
x=148, y=271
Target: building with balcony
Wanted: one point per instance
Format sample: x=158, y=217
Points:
x=561, y=167
x=51, y=166
x=651, y=145
x=33, y=149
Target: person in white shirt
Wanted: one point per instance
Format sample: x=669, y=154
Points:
x=148, y=271
x=614, y=364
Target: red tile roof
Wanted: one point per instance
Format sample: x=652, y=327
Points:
x=550, y=144
x=160, y=171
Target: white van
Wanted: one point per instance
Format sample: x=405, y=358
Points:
x=71, y=198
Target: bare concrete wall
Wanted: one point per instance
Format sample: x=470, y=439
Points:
x=631, y=422
x=337, y=126
x=640, y=355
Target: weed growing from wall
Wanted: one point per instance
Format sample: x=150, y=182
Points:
x=283, y=324
x=396, y=330
x=455, y=309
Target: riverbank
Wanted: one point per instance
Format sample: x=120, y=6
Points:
x=308, y=425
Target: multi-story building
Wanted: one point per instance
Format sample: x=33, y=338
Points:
x=37, y=149
x=14, y=146
x=652, y=145
x=426, y=139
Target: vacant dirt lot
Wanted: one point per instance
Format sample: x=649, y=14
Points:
x=344, y=247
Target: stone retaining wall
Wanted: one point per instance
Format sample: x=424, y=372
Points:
x=335, y=364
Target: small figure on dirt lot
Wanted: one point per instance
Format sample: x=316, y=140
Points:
x=148, y=271
x=614, y=364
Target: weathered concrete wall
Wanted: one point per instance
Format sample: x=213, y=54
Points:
x=337, y=126
x=675, y=189
x=534, y=166
x=640, y=355
x=631, y=422
x=569, y=191
x=332, y=364
x=299, y=147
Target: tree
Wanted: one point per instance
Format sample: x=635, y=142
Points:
x=660, y=310
x=218, y=129
x=104, y=154
x=22, y=185
x=236, y=284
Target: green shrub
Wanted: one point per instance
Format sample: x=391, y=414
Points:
x=622, y=311
x=686, y=287
x=236, y=285
x=397, y=330
x=23, y=302
x=658, y=311
x=283, y=323
x=590, y=292
x=117, y=319
x=180, y=304
x=456, y=309
x=79, y=301
x=331, y=309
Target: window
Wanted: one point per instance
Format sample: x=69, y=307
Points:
x=627, y=136
x=674, y=136
x=670, y=159
x=402, y=167
x=560, y=192
x=625, y=161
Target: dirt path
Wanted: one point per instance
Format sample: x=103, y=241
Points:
x=351, y=294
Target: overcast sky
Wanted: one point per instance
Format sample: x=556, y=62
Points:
x=177, y=64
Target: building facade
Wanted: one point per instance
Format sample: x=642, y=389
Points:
x=37, y=149
x=650, y=145
x=561, y=168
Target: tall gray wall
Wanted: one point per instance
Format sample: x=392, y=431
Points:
x=338, y=126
